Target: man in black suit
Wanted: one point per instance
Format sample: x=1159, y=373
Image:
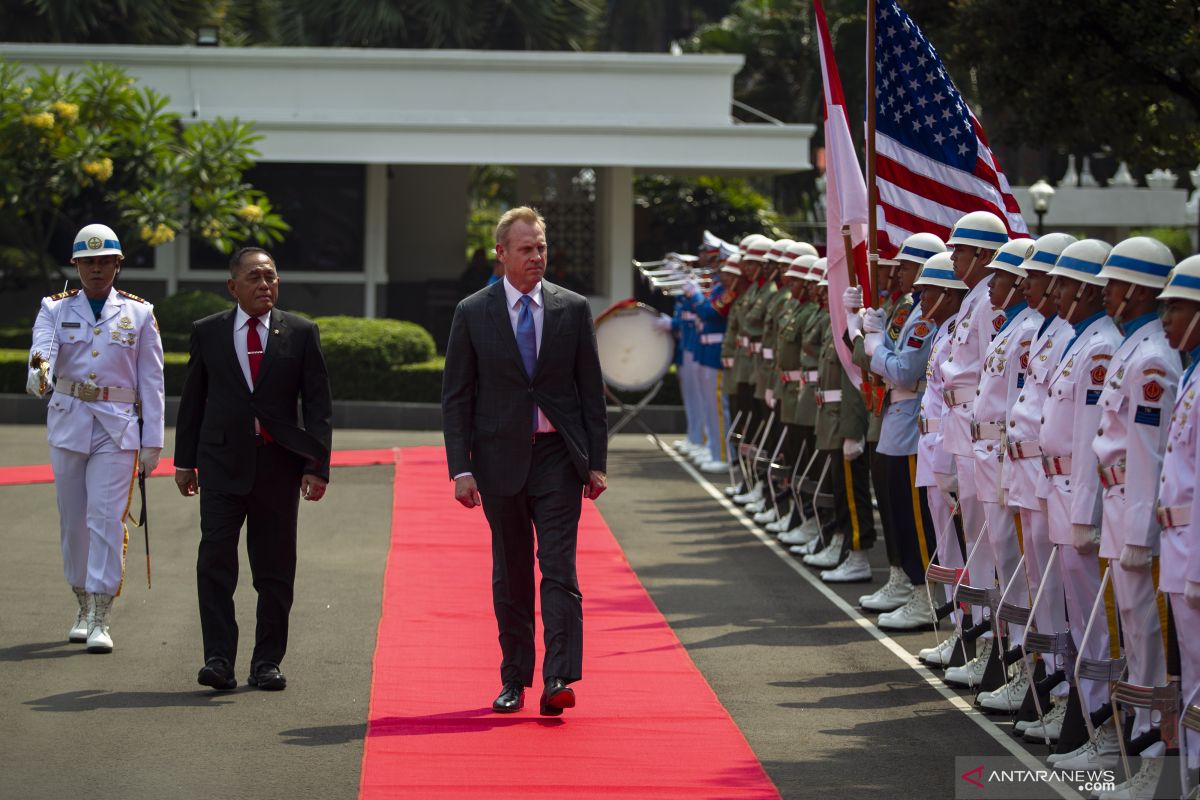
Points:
x=526, y=435
x=238, y=426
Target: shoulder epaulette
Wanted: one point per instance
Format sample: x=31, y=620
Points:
x=63, y=295
x=124, y=293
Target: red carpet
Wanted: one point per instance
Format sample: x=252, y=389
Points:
x=647, y=724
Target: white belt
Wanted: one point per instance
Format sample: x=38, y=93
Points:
x=1056, y=465
x=986, y=430
x=89, y=392
x=958, y=397
x=768, y=354
x=727, y=362
x=826, y=396
x=899, y=394
x=755, y=347
x=928, y=425
x=791, y=376
x=743, y=341
x=1026, y=449
x=1174, y=516
x=712, y=338
x=810, y=376
x=1112, y=475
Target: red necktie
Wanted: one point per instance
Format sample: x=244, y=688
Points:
x=254, y=354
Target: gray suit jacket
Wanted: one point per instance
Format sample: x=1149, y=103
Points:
x=487, y=398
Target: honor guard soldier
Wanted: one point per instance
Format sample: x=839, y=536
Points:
x=974, y=241
x=754, y=266
x=732, y=306
x=899, y=357
x=684, y=329
x=98, y=350
x=1022, y=476
x=1141, y=381
x=1070, y=419
x=1177, y=511
x=710, y=310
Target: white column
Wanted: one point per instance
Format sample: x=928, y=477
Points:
x=375, y=231
x=614, y=209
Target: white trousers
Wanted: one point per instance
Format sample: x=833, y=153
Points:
x=982, y=568
x=1187, y=629
x=713, y=413
x=948, y=552
x=692, y=410
x=1050, y=616
x=1006, y=554
x=93, y=490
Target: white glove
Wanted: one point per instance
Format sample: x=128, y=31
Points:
x=690, y=289
x=769, y=396
x=663, y=323
x=854, y=324
x=1085, y=538
x=1191, y=594
x=852, y=448
x=852, y=299
x=871, y=343
x=873, y=320
x=33, y=383
x=1135, y=557
x=148, y=459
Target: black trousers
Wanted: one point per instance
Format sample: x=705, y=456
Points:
x=908, y=510
x=549, y=504
x=852, y=499
x=269, y=513
x=880, y=475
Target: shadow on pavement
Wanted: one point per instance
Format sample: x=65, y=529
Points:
x=95, y=699
x=33, y=651
x=325, y=734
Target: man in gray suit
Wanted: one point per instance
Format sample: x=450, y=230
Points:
x=526, y=436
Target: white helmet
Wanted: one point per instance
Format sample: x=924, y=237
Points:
x=938, y=270
x=731, y=265
x=755, y=247
x=979, y=229
x=805, y=249
x=800, y=266
x=1141, y=260
x=1082, y=261
x=919, y=247
x=1046, y=251
x=96, y=240
x=1013, y=255
x=1184, y=281
x=778, y=251
x=816, y=272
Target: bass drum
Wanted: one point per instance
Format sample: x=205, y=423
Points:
x=634, y=353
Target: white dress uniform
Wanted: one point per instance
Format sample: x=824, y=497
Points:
x=1179, y=513
x=978, y=322
x=94, y=443
x=1070, y=418
x=935, y=466
x=1023, y=478
x=999, y=386
x=1142, y=381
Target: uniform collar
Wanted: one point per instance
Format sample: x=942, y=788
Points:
x=1011, y=313
x=1084, y=324
x=1129, y=328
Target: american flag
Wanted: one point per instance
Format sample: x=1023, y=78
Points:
x=932, y=160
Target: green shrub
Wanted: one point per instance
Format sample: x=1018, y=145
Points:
x=362, y=353
x=175, y=315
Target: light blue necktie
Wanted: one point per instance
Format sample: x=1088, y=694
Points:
x=527, y=343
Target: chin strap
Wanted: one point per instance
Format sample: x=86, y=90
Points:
x=1187, y=335
x=975, y=260
x=1012, y=291
x=1075, y=301
x=936, y=303
x=1125, y=302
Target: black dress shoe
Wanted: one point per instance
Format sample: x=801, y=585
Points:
x=556, y=696
x=266, y=676
x=510, y=700
x=218, y=674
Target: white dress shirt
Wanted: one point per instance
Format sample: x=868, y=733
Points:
x=240, y=322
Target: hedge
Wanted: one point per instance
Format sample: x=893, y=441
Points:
x=410, y=383
x=175, y=315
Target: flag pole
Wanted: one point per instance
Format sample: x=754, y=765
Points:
x=872, y=189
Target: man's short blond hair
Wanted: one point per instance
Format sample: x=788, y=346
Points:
x=518, y=214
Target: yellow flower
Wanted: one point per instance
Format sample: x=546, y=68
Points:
x=101, y=169
x=159, y=234
x=250, y=213
x=212, y=229
x=26, y=91
x=43, y=119
x=67, y=112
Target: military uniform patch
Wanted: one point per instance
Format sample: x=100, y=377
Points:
x=133, y=297
x=998, y=323
x=1098, y=375
x=1152, y=391
x=921, y=329
x=63, y=295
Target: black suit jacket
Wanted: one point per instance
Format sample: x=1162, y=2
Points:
x=215, y=428
x=487, y=398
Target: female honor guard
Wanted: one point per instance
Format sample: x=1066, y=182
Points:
x=100, y=352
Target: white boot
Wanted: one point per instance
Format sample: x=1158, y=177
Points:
x=98, y=640
x=828, y=558
x=781, y=525
x=913, y=615
x=801, y=534
x=714, y=467
x=854, y=569
x=939, y=656
x=769, y=514
x=79, y=630
x=1051, y=725
x=1102, y=751
x=751, y=496
x=893, y=594
x=971, y=673
x=1144, y=782
x=1008, y=698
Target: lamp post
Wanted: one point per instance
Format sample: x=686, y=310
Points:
x=1041, y=192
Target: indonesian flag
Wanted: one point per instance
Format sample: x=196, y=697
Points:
x=845, y=199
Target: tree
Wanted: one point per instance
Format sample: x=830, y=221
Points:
x=106, y=21
x=88, y=146
x=682, y=209
x=1079, y=76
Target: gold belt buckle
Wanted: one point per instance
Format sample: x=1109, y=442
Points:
x=87, y=392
